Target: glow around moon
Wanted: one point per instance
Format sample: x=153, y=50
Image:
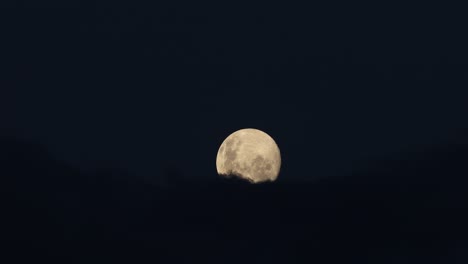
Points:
x=250, y=154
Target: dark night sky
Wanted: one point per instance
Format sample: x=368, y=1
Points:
x=151, y=86
x=367, y=104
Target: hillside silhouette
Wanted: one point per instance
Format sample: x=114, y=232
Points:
x=408, y=209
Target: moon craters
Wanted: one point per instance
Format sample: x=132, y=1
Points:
x=230, y=154
x=261, y=167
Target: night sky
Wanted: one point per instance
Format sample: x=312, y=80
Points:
x=154, y=89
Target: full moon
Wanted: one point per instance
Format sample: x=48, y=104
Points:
x=249, y=154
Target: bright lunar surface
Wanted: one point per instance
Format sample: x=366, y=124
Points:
x=250, y=154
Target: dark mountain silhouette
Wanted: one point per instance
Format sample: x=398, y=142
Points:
x=401, y=210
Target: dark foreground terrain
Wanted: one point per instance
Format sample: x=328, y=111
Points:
x=412, y=209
